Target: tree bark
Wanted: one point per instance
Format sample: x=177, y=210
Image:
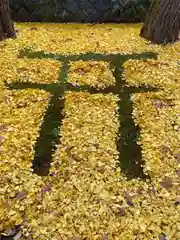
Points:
x=6, y=24
x=162, y=23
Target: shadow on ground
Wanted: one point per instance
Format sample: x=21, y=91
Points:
x=130, y=159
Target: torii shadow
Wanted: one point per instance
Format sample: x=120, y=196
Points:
x=130, y=158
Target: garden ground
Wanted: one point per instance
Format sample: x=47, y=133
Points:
x=89, y=133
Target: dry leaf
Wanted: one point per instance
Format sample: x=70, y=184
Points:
x=21, y=195
x=166, y=183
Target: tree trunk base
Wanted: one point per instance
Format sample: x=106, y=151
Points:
x=6, y=24
x=162, y=23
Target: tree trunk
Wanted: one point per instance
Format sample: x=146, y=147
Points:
x=162, y=23
x=6, y=25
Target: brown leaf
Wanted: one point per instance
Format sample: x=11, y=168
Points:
x=8, y=232
x=129, y=199
x=163, y=237
x=17, y=236
x=33, y=28
x=3, y=128
x=66, y=175
x=1, y=138
x=75, y=238
x=68, y=39
x=160, y=103
x=46, y=188
x=152, y=190
x=121, y=212
x=2, y=44
x=140, y=190
x=5, y=204
x=166, y=183
x=177, y=202
x=101, y=169
x=81, y=72
x=21, y=195
x=104, y=236
x=97, y=44
x=178, y=172
x=165, y=149
x=157, y=103
x=177, y=157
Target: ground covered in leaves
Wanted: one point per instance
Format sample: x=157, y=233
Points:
x=92, y=188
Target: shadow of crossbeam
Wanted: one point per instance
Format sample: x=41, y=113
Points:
x=130, y=159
